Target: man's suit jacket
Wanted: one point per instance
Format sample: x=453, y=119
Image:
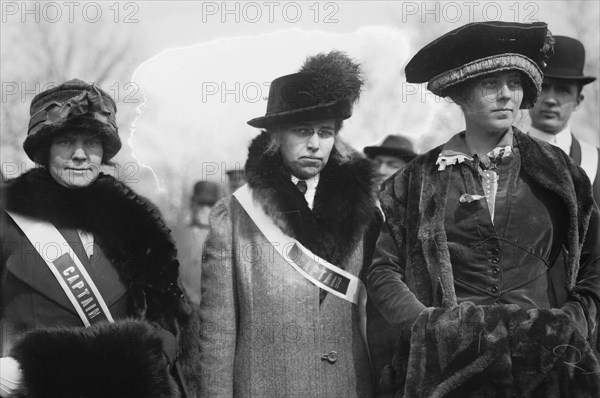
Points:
x=579, y=153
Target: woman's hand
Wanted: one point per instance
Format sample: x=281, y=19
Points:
x=10, y=376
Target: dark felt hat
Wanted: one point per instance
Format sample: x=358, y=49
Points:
x=326, y=87
x=393, y=145
x=206, y=193
x=568, y=61
x=74, y=104
x=480, y=48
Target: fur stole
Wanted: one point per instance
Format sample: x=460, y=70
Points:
x=127, y=226
x=343, y=208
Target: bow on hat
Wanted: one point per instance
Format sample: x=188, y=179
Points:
x=90, y=103
x=76, y=105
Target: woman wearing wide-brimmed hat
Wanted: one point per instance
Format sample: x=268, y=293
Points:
x=90, y=304
x=469, y=262
x=282, y=309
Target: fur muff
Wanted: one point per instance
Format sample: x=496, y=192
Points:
x=343, y=206
x=496, y=351
x=133, y=236
x=123, y=359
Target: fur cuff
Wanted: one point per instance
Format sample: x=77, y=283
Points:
x=123, y=359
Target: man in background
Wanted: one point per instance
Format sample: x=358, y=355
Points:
x=390, y=155
x=561, y=96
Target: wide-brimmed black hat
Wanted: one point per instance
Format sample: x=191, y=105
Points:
x=480, y=48
x=392, y=145
x=73, y=104
x=326, y=87
x=568, y=61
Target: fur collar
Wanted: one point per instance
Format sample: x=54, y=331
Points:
x=344, y=204
x=127, y=226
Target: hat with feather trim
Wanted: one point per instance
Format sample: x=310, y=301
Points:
x=326, y=87
x=481, y=48
x=75, y=105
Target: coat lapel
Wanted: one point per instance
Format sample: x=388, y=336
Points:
x=31, y=269
x=431, y=234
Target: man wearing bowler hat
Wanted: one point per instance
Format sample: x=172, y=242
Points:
x=282, y=304
x=390, y=155
x=560, y=97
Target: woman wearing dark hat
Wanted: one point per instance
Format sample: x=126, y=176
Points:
x=90, y=304
x=282, y=307
x=489, y=260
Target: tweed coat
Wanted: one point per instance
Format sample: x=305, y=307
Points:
x=265, y=328
x=41, y=328
x=414, y=202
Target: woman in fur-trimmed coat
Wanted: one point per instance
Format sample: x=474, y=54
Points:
x=488, y=263
x=268, y=331
x=265, y=327
x=121, y=241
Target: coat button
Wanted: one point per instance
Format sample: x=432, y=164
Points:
x=330, y=357
x=494, y=251
x=495, y=271
x=494, y=289
x=494, y=260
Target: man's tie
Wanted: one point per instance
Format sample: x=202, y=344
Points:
x=302, y=187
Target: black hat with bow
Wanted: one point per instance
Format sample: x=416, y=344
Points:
x=74, y=104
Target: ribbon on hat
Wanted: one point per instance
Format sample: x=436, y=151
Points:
x=87, y=103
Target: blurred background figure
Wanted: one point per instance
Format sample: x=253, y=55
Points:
x=190, y=240
x=561, y=96
x=204, y=196
x=390, y=154
x=235, y=179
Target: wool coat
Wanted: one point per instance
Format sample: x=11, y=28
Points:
x=266, y=330
x=411, y=295
x=135, y=268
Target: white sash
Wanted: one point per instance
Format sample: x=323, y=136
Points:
x=317, y=270
x=589, y=160
x=66, y=268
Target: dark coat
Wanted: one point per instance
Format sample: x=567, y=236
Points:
x=133, y=237
x=576, y=154
x=414, y=203
x=264, y=328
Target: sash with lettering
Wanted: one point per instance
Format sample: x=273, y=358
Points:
x=66, y=268
x=317, y=270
